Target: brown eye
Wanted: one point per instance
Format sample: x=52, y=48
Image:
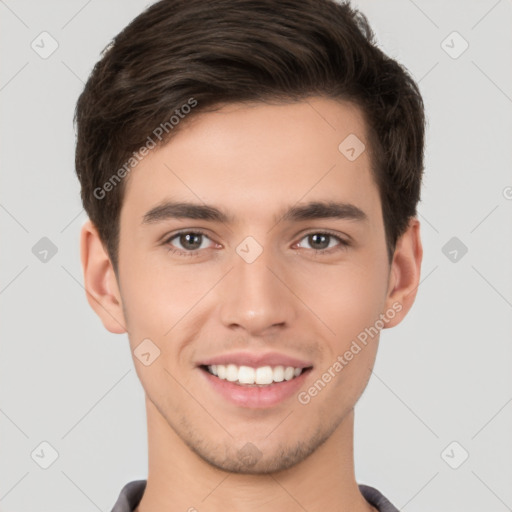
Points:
x=319, y=241
x=187, y=242
x=190, y=240
x=324, y=242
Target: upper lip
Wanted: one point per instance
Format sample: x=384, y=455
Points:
x=256, y=360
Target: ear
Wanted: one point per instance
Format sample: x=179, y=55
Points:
x=100, y=280
x=404, y=275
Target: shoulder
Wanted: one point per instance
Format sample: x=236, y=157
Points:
x=377, y=499
x=132, y=492
x=130, y=496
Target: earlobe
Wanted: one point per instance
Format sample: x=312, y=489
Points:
x=404, y=276
x=100, y=280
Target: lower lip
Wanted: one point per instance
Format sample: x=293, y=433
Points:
x=256, y=397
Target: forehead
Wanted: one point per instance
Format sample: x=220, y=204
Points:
x=254, y=158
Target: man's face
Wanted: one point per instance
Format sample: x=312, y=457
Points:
x=255, y=284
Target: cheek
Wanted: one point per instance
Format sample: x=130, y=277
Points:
x=348, y=300
x=350, y=306
x=166, y=305
x=154, y=297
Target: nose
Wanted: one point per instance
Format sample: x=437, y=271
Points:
x=256, y=297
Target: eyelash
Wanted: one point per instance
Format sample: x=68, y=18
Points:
x=343, y=244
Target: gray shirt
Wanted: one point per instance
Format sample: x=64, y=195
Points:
x=132, y=492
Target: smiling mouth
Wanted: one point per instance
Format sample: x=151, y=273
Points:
x=247, y=376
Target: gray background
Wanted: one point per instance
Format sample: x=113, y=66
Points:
x=443, y=375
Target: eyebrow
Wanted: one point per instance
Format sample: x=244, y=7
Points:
x=313, y=210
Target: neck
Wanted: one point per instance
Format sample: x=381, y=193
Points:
x=179, y=480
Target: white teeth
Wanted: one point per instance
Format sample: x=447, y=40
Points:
x=264, y=375
x=278, y=374
x=221, y=371
x=231, y=373
x=246, y=375
x=288, y=373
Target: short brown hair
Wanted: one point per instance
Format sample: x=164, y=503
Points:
x=225, y=51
